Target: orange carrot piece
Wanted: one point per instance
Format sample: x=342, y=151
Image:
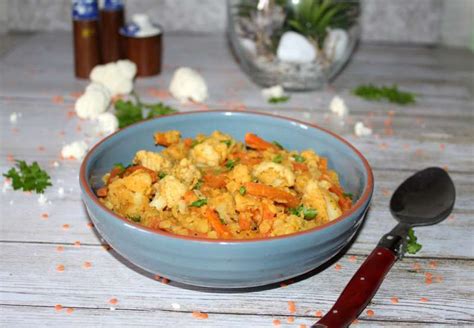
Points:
x=344, y=202
x=244, y=222
x=102, y=192
x=300, y=167
x=190, y=196
x=246, y=159
x=132, y=169
x=323, y=164
x=215, y=181
x=275, y=194
x=216, y=223
x=188, y=142
x=116, y=171
x=266, y=213
x=161, y=139
x=255, y=142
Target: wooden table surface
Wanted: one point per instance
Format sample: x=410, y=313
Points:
x=433, y=288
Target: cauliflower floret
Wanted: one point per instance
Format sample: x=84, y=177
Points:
x=169, y=192
x=332, y=206
x=76, y=149
x=274, y=174
x=108, y=123
x=167, y=138
x=244, y=203
x=115, y=77
x=187, y=172
x=313, y=197
x=127, y=68
x=91, y=104
x=225, y=206
x=187, y=84
x=311, y=159
x=129, y=196
x=210, y=152
x=237, y=177
x=151, y=160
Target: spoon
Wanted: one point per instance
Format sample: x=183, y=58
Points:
x=425, y=198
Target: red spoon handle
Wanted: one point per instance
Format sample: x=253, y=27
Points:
x=360, y=290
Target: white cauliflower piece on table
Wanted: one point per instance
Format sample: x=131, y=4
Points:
x=169, y=192
x=127, y=68
x=92, y=103
x=76, y=149
x=151, y=160
x=274, y=174
x=187, y=84
x=187, y=172
x=210, y=152
x=115, y=77
x=108, y=123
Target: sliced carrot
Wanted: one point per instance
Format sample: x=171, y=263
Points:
x=267, y=214
x=216, y=223
x=323, y=164
x=188, y=142
x=244, y=221
x=134, y=168
x=190, y=196
x=246, y=158
x=116, y=171
x=275, y=194
x=102, y=192
x=300, y=167
x=255, y=142
x=215, y=181
x=344, y=202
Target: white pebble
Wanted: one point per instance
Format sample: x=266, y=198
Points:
x=175, y=306
x=76, y=149
x=338, y=106
x=42, y=199
x=361, y=130
x=276, y=91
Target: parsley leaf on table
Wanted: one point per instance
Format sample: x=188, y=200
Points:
x=159, y=109
x=29, y=177
x=391, y=94
x=127, y=113
x=277, y=100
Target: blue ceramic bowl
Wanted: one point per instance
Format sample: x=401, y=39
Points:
x=224, y=263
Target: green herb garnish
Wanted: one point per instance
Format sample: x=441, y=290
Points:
x=194, y=143
x=227, y=142
x=199, y=202
x=29, y=177
x=391, y=94
x=230, y=164
x=242, y=190
x=159, y=109
x=307, y=213
x=348, y=195
x=161, y=175
x=277, y=159
x=277, y=100
x=127, y=113
x=412, y=246
x=135, y=218
x=198, y=185
x=298, y=158
x=276, y=143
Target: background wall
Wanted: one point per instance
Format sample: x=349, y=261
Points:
x=449, y=22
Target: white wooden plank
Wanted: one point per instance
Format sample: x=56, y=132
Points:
x=38, y=284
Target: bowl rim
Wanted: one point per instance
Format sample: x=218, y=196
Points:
x=366, y=193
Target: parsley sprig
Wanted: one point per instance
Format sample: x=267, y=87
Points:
x=278, y=100
x=307, y=213
x=129, y=112
x=412, y=246
x=29, y=177
x=391, y=94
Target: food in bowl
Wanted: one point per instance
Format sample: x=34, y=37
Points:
x=214, y=186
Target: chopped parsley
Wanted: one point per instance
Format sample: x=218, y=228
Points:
x=307, y=213
x=348, y=195
x=277, y=159
x=199, y=202
x=230, y=163
x=161, y=175
x=412, y=246
x=242, y=190
x=198, y=185
x=227, y=142
x=391, y=94
x=194, y=143
x=28, y=177
x=135, y=218
x=298, y=158
x=276, y=143
x=159, y=109
x=277, y=100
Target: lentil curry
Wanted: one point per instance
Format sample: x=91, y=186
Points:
x=217, y=187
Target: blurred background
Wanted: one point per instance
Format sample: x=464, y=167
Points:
x=429, y=22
